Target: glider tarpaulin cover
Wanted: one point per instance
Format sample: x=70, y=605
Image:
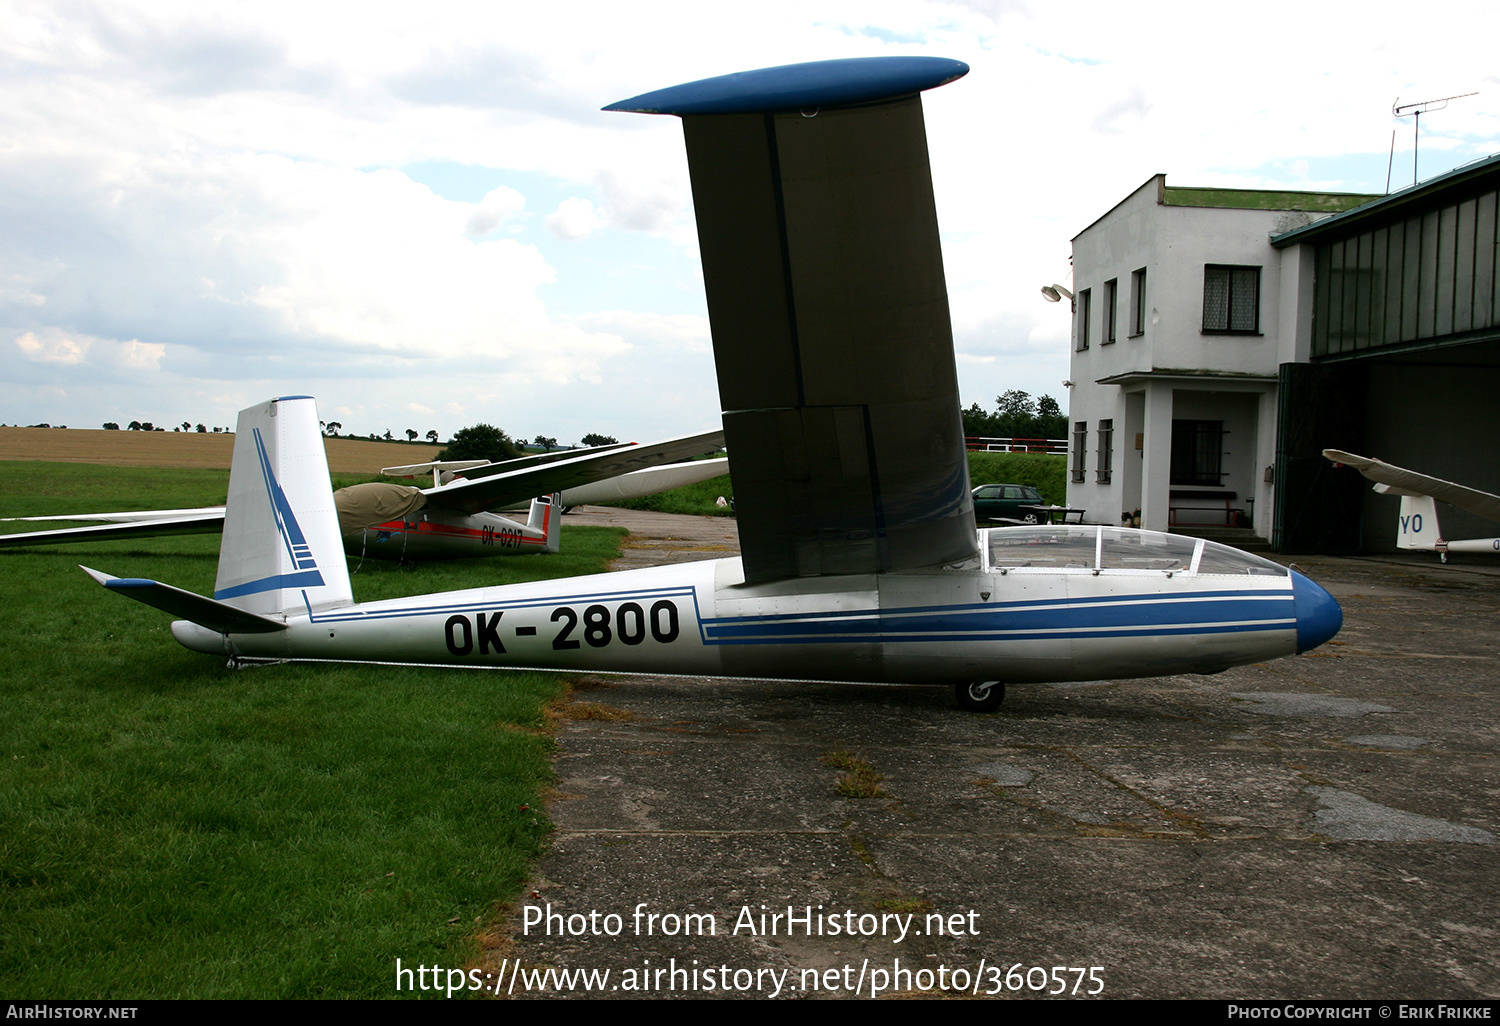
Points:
x=378, y=502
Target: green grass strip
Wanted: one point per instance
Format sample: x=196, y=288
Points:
x=172, y=828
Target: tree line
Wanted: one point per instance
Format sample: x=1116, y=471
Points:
x=487, y=442
x=1017, y=415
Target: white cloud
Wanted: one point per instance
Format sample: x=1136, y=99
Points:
x=574, y=218
x=56, y=349
x=498, y=206
x=70, y=349
x=208, y=182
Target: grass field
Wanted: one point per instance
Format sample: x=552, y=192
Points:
x=190, y=449
x=173, y=828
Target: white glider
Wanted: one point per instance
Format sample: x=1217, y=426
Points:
x=1417, y=524
x=860, y=558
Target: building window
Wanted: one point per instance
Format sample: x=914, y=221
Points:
x=1198, y=452
x=1106, y=451
x=1138, y=303
x=1080, y=449
x=1111, y=295
x=1085, y=309
x=1231, y=300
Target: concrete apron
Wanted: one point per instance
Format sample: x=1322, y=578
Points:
x=1322, y=826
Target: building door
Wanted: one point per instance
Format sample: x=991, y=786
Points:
x=1197, y=453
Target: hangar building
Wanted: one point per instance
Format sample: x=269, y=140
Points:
x=1223, y=337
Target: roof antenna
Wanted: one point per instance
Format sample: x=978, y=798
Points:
x=1417, y=109
x=1390, y=161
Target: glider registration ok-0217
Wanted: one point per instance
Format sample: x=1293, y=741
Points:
x=860, y=559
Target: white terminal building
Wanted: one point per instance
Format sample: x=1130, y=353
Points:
x=1223, y=337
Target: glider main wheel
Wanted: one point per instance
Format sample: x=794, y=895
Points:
x=980, y=696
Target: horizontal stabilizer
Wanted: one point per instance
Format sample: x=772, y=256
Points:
x=205, y=612
x=210, y=522
x=1409, y=482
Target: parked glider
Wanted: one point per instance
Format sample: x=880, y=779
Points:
x=1417, y=524
x=860, y=557
x=450, y=520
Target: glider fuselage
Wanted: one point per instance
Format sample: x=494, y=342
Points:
x=998, y=621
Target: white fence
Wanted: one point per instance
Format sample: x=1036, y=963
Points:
x=1052, y=446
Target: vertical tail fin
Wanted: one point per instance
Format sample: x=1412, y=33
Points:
x=546, y=516
x=281, y=550
x=1418, y=526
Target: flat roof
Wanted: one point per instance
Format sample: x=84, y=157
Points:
x=1241, y=199
x=1263, y=199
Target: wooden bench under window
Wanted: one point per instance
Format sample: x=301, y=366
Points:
x=1207, y=500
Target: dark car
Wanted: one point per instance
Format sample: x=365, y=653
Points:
x=1007, y=502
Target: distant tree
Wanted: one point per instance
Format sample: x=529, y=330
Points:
x=387, y=435
x=147, y=426
x=201, y=429
x=186, y=426
x=545, y=443
x=597, y=439
x=978, y=424
x=411, y=436
x=1052, y=422
x=1017, y=415
x=334, y=428
x=480, y=442
x=111, y=426
x=134, y=425
x=432, y=436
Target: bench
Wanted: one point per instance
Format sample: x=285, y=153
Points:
x=1203, y=501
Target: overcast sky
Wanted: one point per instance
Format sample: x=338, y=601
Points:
x=418, y=213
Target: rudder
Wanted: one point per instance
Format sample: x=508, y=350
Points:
x=281, y=551
x=546, y=516
x=1418, y=527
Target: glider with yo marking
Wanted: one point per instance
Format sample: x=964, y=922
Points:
x=1417, y=524
x=860, y=559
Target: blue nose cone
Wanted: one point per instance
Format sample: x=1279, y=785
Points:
x=1318, y=614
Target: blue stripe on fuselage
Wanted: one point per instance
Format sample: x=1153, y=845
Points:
x=1140, y=616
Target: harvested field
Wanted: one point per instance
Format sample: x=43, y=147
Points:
x=189, y=449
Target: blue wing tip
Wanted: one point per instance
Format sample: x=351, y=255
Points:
x=130, y=582
x=819, y=84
